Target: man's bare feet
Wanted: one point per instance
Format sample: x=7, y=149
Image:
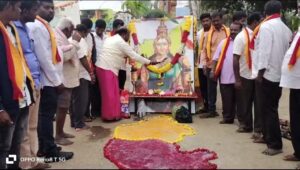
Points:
x=272, y=152
x=67, y=135
x=291, y=158
x=63, y=141
x=243, y=130
x=83, y=128
x=256, y=135
x=259, y=140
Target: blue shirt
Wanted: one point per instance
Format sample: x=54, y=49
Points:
x=28, y=50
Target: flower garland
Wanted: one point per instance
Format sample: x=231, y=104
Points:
x=165, y=68
x=195, y=30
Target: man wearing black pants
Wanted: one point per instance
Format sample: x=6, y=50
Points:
x=271, y=95
x=245, y=83
x=222, y=69
x=98, y=38
x=258, y=111
x=203, y=90
x=206, y=23
x=48, y=106
x=294, y=121
x=215, y=35
x=290, y=79
x=94, y=103
x=51, y=81
x=122, y=79
x=270, y=46
x=14, y=101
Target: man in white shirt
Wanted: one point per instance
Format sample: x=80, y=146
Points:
x=122, y=72
x=80, y=96
x=98, y=39
x=69, y=48
x=112, y=58
x=245, y=84
x=93, y=109
x=270, y=46
x=206, y=24
x=290, y=78
x=51, y=81
x=99, y=35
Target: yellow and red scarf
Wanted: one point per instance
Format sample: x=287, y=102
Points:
x=209, y=39
x=55, y=55
x=295, y=54
x=256, y=30
x=201, y=41
x=15, y=62
x=247, y=49
x=222, y=57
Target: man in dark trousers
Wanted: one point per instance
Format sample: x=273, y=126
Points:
x=51, y=80
x=245, y=83
x=98, y=38
x=16, y=87
x=206, y=24
x=270, y=44
x=290, y=78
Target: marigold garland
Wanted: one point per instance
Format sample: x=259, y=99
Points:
x=186, y=31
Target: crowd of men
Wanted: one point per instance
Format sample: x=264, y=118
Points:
x=252, y=60
x=45, y=72
x=48, y=72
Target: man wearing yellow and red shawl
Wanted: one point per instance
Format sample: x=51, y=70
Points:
x=270, y=42
x=216, y=34
x=290, y=78
x=51, y=62
x=16, y=85
x=206, y=24
x=222, y=68
x=245, y=83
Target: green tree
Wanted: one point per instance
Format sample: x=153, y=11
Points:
x=230, y=6
x=137, y=8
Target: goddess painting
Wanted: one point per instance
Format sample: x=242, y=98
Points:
x=176, y=79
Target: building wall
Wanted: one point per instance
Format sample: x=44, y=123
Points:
x=68, y=9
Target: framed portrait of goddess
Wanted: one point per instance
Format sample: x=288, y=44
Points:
x=159, y=40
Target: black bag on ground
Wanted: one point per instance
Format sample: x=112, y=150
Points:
x=183, y=115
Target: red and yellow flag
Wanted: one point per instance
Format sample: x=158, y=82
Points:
x=247, y=49
x=295, y=54
x=222, y=57
x=209, y=39
x=55, y=55
x=15, y=62
x=256, y=30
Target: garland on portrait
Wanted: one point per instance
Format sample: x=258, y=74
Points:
x=166, y=67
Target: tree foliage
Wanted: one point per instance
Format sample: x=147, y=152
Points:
x=156, y=13
x=137, y=8
x=248, y=5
